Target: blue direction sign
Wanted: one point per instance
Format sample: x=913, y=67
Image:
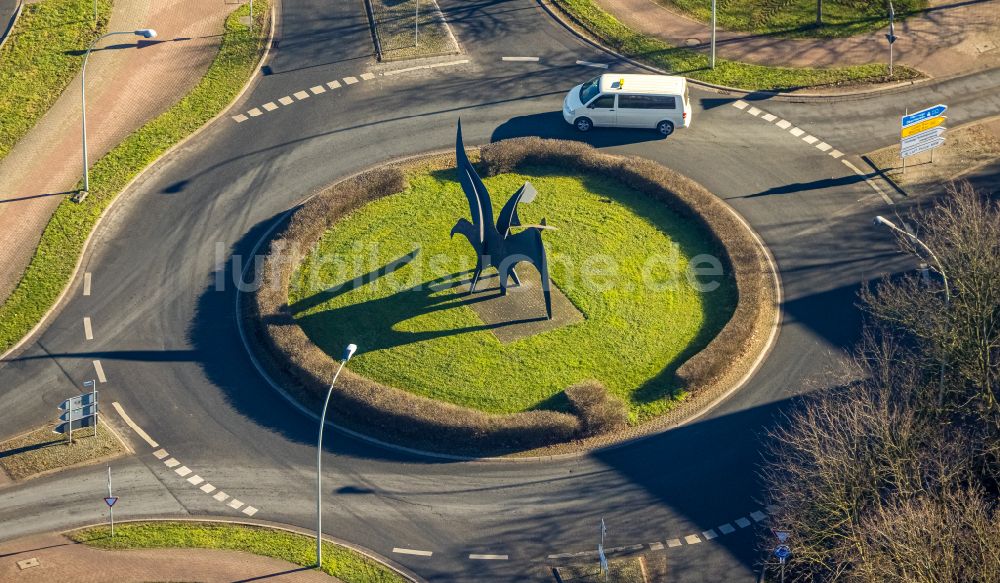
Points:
x=923, y=114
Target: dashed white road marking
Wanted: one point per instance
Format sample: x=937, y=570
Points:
x=350, y=80
x=783, y=124
x=207, y=488
x=768, y=117
x=240, y=118
x=234, y=503
x=742, y=522
x=367, y=76
x=823, y=147
x=318, y=89
x=183, y=471
x=757, y=515
x=88, y=331
x=431, y=66
x=692, y=539
x=333, y=84
x=160, y=454
x=836, y=154
x=220, y=496
x=286, y=100
x=796, y=132
x=138, y=430
x=86, y=283
x=270, y=106
x=709, y=534
x=589, y=64
x=195, y=480
x=477, y=557
x=810, y=139
x=674, y=542
x=415, y=552
x=249, y=511
x=255, y=112
x=657, y=546
x=520, y=59
x=753, y=111
x=726, y=528
x=740, y=104
x=172, y=462
x=300, y=95
x=100, y=372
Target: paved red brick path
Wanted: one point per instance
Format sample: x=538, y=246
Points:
x=129, y=82
x=951, y=37
x=62, y=560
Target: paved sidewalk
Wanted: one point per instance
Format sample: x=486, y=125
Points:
x=129, y=82
x=60, y=559
x=951, y=37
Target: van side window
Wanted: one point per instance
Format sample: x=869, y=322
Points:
x=647, y=101
x=604, y=102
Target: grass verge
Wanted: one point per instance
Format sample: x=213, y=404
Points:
x=394, y=21
x=41, y=57
x=797, y=18
x=625, y=570
x=62, y=241
x=623, y=259
x=681, y=61
x=42, y=450
x=346, y=564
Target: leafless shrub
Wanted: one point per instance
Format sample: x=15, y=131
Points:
x=598, y=410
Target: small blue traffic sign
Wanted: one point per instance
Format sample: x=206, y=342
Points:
x=782, y=552
x=923, y=114
x=110, y=501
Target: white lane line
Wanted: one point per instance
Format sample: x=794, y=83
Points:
x=726, y=528
x=183, y=471
x=300, y=95
x=810, y=139
x=657, y=546
x=837, y=154
x=88, y=331
x=709, y=534
x=270, y=106
x=249, y=511
x=589, y=64
x=754, y=111
x=350, y=80
x=796, y=132
x=220, y=496
x=783, y=124
x=520, y=59
x=367, y=76
x=333, y=84
x=674, y=542
x=757, y=515
x=692, y=539
x=740, y=104
x=86, y=283
x=235, y=504
x=128, y=421
x=476, y=557
x=207, y=488
x=318, y=89
x=870, y=182
x=100, y=372
x=768, y=117
x=160, y=454
x=286, y=100
x=823, y=146
x=400, y=551
x=255, y=112
x=240, y=118
x=742, y=522
x=172, y=462
x=196, y=479
x=431, y=66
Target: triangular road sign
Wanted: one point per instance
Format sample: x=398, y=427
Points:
x=110, y=501
x=781, y=535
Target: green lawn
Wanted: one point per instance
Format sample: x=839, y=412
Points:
x=682, y=61
x=343, y=563
x=797, y=18
x=425, y=340
x=40, y=58
x=62, y=241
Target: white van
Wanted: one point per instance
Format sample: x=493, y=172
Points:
x=629, y=101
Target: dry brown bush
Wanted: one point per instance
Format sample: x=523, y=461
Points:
x=598, y=410
x=425, y=423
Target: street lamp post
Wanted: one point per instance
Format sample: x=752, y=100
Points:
x=713, y=34
x=348, y=353
x=144, y=33
x=880, y=220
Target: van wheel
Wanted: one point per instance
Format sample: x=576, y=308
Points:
x=583, y=124
x=665, y=128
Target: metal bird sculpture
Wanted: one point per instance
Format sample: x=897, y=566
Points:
x=495, y=245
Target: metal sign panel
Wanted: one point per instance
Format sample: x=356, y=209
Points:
x=77, y=424
x=922, y=126
x=80, y=413
x=937, y=110
x=79, y=401
x=782, y=552
x=110, y=501
x=923, y=147
x=926, y=136
x=604, y=559
x=781, y=535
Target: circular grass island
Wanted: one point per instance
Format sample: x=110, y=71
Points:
x=648, y=306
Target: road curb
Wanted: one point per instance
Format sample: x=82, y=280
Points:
x=765, y=350
x=10, y=25
x=384, y=561
x=114, y=204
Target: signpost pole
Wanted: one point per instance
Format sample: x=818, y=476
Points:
x=71, y=424
x=713, y=34
x=416, y=23
x=892, y=34
x=907, y=112
x=111, y=507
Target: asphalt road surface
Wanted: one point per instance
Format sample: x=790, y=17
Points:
x=163, y=325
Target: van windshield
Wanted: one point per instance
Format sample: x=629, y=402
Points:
x=589, y=90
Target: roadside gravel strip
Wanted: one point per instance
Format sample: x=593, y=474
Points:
x=57, y=258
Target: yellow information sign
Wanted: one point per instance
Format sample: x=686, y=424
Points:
x=923, y=126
